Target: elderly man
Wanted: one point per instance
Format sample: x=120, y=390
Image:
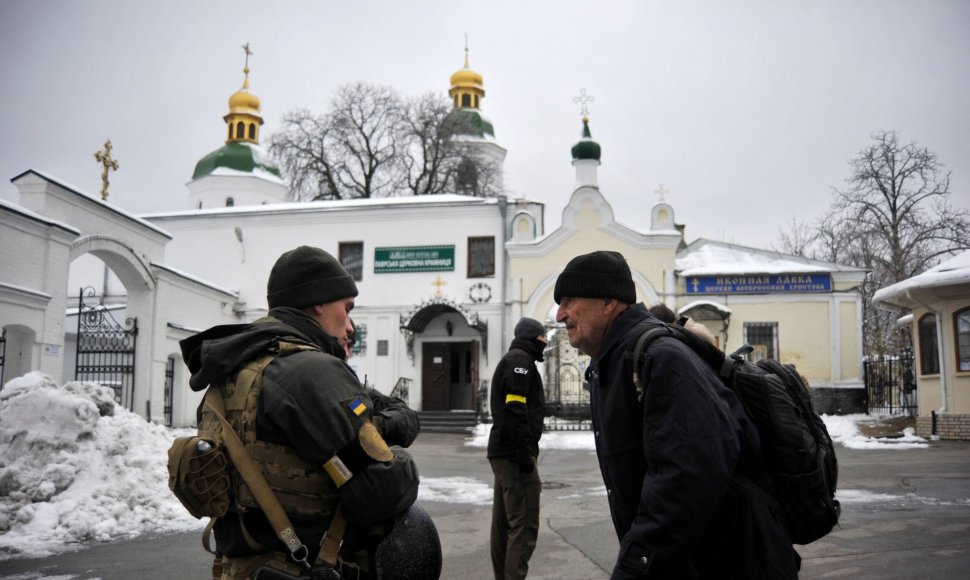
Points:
x=669, y=461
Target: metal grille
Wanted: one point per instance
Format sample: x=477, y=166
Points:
x=169, y=389
x=891, y=386
x=105, y=348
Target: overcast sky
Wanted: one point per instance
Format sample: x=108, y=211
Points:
x=747, y=112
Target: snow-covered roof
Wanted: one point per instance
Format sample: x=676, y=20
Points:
x=707, y=258
x=702, y=303
x=9, y=205
x=337, y=205
x=952, y=272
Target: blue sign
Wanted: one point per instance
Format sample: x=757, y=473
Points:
x=759, y=283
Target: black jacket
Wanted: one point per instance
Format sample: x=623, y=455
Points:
x=668, y=464
x=303, y=405
x=517, y=401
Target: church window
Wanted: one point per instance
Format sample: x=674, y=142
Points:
x=929, y=348
x=961, y=332
x=352, y=257
x=763, y=338
x=240, y=130
x=252, y=131
x=230, y=202
x=382, y=348
x=466, y=100
x=481, y=257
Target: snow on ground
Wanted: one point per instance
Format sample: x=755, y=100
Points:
x=75, y=467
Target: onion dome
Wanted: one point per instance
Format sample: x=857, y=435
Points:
x=586, y=148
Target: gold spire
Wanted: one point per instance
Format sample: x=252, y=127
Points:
x=467, y=86
x=243, y=120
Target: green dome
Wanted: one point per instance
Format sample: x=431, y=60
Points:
x=475, y=123
x=586, y=148
x=239, y=157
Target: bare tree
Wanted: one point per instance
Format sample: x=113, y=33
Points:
x=894, y=219
x=308, y=155
x=372, y=143
x=795, y=239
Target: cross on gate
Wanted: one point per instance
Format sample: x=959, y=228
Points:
x=104, y=157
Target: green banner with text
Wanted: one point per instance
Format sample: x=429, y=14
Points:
x=414, y=259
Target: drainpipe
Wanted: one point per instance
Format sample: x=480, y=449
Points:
x=502, y=210
x=944, y=390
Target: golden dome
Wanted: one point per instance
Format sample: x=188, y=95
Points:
x=467, y=79
x=242, y=101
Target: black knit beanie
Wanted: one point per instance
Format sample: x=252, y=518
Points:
x=600, y=274
x=529, y=328
x=308, y=276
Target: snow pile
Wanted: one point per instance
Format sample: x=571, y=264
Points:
x=75, y=467
x=843, y=429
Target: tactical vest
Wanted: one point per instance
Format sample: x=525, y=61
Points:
x=301, y=487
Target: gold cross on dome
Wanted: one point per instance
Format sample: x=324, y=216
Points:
x=661, y=192
x=584, y=99
x=104, y=157
x=438, y=283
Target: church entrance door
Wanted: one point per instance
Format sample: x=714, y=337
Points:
x=448, y=376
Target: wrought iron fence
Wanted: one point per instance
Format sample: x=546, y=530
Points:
x=567, y=401
x=3, y=353
x=891, y=385
x=169, y=390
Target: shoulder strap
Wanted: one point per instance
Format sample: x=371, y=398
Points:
x=250, y=472
x=723, y=365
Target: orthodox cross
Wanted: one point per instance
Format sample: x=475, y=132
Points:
x=248, y=52
x=583, y=99
x=661, y=192
x=104, y=157
x=438, y=283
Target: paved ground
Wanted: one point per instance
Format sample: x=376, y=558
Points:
x=910, y=518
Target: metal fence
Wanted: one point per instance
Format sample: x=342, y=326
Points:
x=3, y=353
x=891, y=385
x=567, y=401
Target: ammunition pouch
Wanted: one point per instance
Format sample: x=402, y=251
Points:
x=198, y=477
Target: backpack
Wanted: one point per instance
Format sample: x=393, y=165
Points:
x=798, y=453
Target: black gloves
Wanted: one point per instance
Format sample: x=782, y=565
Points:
x=525, y=461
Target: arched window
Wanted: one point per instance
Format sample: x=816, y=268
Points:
x=961, y=334
x=230, y=202
x=240, y=130
x=252, y=131
x=929, y=348
x=466, y=100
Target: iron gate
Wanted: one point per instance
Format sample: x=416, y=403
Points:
x=567, y=401
x=169, y=389
x=105, y=348
x=3, y=353
x=891, y=385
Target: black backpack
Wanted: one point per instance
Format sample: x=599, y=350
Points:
x=798, y=453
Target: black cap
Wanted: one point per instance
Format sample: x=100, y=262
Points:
x=600, y=274
x=529, y=328
x=308, y=276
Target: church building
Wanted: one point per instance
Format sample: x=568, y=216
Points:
x=442, y=278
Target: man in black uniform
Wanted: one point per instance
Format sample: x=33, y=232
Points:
x=517, y=402
x=320, y=440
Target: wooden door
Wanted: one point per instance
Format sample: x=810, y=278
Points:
x=435, y=377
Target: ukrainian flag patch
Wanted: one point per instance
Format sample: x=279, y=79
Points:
x=357, y=406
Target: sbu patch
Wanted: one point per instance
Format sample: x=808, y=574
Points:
x=521, y=371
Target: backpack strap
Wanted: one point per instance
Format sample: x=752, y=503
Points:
x=638, y=354
x=250, y=472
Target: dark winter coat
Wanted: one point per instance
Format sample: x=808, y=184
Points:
x=517, y=401
x=668, y=463
x=303, y=405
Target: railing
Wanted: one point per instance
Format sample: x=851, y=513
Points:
x=891, y=386
x=402, y=390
